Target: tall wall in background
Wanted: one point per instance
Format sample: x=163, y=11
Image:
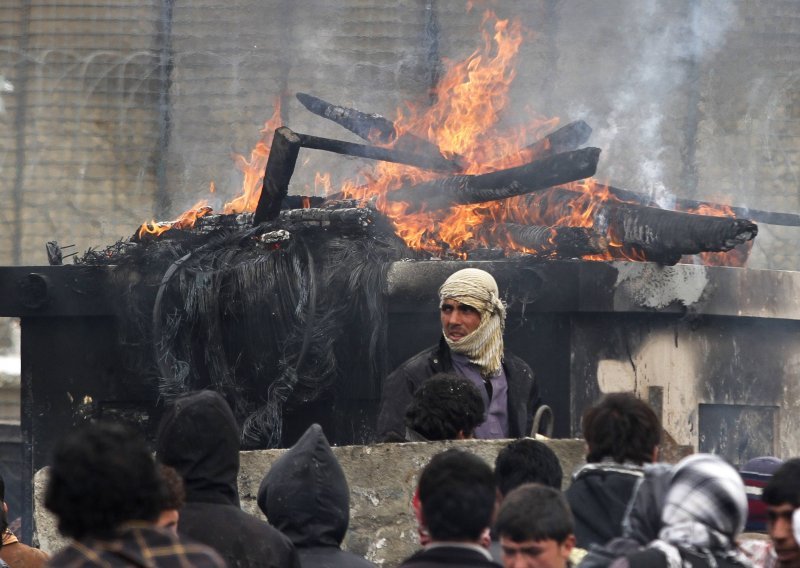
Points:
x=114, y=112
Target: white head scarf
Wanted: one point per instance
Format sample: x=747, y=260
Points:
x=484, y=346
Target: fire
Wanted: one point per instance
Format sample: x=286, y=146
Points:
x=735, y=257
x=464, y=123
x=185, y=221
x=253, y=169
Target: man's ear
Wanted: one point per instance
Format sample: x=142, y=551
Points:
x=568, y=545
x=5, y=507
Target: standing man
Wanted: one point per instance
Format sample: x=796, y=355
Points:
x=473, y=319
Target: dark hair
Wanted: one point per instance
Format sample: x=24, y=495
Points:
x=784, y=486
x=102, y=475
x=534, y=512
x=174, y=493
x=526, y=461
x=457, y=493
x=621, y=427
x=443, y=406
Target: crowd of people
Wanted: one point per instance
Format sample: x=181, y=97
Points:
x=122, y=505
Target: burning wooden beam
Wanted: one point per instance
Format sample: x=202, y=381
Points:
x=280, y=167
x=569, y=137
x=428, y=162
x=369, y=126
x=465, y=189
x=376, y=129
x=659, y=235
x=758, y=215
x=563, y=242
x=666, y=235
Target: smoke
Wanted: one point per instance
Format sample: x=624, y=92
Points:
x=639, y=132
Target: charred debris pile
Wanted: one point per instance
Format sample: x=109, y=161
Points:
x=284, y=306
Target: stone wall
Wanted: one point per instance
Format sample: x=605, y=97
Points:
x=382, y=478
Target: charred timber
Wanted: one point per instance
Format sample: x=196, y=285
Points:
x=435, y=163
x=467, y=189
x=659, y=235
x=370, y=127
x=563, y=242
x=666, y=235
x=768, y=217
x=280, y=167
x=569, y=137
x=341, y=218
x=375, y=128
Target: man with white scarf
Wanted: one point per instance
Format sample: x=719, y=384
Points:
x=473, y=319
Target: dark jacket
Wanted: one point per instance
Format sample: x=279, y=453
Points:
x=654, y=558
x=305, y=495
x=400, y=385
x=454, y=556
x=598, y=496
x=198, y=436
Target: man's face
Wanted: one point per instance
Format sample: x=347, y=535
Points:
x=779, y=526
x=536, y=553
x=458, y=320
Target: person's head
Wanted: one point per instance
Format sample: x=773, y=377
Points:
x=473, y=318
x=782, y=496
x=535, y=527
x=623, y=428
x=102, y=475
x=706, y=490
x=526, y=461
x=445, y=407
x=457, y=493
x=305, y=493
x=172, y=498
x=199, y=437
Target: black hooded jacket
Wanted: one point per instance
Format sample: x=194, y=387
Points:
x=198, y=436
x=598, y=496
x=305, y=495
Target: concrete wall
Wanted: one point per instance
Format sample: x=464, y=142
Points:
x=382, y=479
x=694, y=97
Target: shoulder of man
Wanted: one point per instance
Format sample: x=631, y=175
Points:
x=517, y=366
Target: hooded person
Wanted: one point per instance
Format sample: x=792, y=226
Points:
x=705, y=509
x=473, y=320
x=198, y=437
x=305, y=495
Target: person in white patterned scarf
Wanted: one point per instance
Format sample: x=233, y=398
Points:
x=704, y=512
x=473, y=320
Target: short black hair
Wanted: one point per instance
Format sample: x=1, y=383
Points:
x=534, y=512
x=526, y=461
x=102, y=475
x=174, y=492
x=445, y=405
x=621, y=427
x=784, y=486
x=457, y=493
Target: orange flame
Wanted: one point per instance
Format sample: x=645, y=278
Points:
x=186, y=220
x=253, y=169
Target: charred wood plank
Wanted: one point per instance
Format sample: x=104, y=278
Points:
x=435, y=163
x=371, y=127
x=280, y=167
x=376, y=129
x=655, y=234
x=758, y=215
x=563, y=242
x=342, y=218
x=569, y=137
x=466, y=189
x=666, y=235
